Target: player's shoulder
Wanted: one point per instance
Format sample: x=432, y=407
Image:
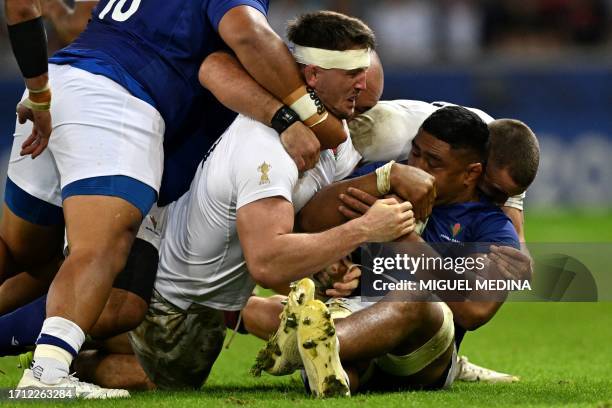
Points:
x=491, y=224
x=247, y=141
x=486, y=118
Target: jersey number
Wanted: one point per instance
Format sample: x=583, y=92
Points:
x=118, y=13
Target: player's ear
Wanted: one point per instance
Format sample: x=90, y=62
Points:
x=473, y=173
x=310, y=75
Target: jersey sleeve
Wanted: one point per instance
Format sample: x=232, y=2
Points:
x=516, y=202
x=263, y=169
x=347, y=159
x=216, y=9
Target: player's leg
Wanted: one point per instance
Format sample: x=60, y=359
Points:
x=112, y=366
x=109, y=155
x=177, y=348
x=32, y=224
x=261, y=315
x=413, y=347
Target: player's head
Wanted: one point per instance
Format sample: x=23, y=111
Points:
x=334, y=52
x=452, y=145
x=513, y=160
x=368, y=98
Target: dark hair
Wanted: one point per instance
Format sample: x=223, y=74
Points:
x=460, y=128
x=515, y=147
x=330, y=30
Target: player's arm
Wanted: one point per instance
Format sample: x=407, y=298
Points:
x=276, y=256
x=468, y=313
x=224, y=76
x=68, y=22
x=518, y=220
x=266, y=57
x=29, y=43
x=409, y=183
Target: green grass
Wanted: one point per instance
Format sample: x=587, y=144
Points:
x=562, y=351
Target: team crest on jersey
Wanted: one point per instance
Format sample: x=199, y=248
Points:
x=264, y=169
x=456, y=229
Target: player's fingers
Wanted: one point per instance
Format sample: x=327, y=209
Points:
x=337, y=294
x=388, y=201
x=300, y=163
x=406, y=228
x=353, y=273
x=405, y=205
x=346, y=286
x=310, y=161
x=407, y=215
x=30, y=144
x=354, y=204
x=504, y=267
x=509, y=251
x=362, y=195
x=350, y=214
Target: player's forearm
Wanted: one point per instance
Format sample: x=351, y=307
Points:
x=518, y=221
x=68, y=22
x=266, y=58
x=322, y=213
x=18, y=11
x=226, y=78
x=289, y=257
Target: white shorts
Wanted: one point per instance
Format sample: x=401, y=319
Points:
x=104, y=142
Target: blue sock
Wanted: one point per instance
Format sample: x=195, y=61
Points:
x=20, y=328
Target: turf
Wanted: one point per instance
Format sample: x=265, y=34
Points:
x=561, y=351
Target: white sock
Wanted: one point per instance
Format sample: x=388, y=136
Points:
x=59, y=342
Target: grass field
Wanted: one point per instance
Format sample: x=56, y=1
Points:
x=562, y=351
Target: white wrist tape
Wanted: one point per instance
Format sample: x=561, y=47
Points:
x=329, y=59
x=383, y=178
x=305, y=102
x=304, y=107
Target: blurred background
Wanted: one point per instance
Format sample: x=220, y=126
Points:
x=546, y=62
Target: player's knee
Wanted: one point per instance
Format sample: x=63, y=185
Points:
x=133, y=312
x=424, y=316
x=251, y=311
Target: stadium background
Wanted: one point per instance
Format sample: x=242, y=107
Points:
x=546, y=62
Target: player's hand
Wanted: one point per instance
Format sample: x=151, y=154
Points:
x=343, y=277
x=302, y=145
x=511, y=263
x=355, y=203
x=38, y=140
x=387, y=220
x=414, y=185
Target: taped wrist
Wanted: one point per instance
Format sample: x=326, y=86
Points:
x=383, y=178
x=305, y=102
x=283, y=118
x=29, y=43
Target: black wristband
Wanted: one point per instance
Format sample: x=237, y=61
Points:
x=29, y=42
x=283, y=118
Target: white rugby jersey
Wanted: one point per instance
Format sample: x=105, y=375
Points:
x=201, y=260
x=385, y=132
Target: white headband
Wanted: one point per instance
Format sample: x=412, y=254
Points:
x=328, y=59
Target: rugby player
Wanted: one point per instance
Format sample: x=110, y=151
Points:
x=400, y=354
x=383, y=131
x=68, y=21
x=115, y=172
x=226, y=233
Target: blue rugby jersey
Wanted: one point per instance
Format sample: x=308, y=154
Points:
x=153, y=49
x=472, y=222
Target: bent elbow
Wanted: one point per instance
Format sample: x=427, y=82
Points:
x=262, y=276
